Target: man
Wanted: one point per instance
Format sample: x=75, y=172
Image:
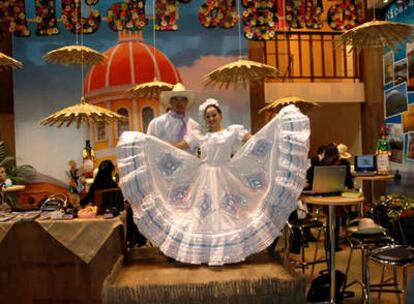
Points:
x=174, y=125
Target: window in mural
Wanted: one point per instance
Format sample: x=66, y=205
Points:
x=123, y=125
x=100, y=131
x=147, y=116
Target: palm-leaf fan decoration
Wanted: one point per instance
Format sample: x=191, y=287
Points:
x=151, y=89
x=74, y=55
x=239, y=72
x=303, y=104
x=7, y=62
x=82, y=112
x=375, y=34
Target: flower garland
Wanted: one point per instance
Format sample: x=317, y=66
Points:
x=166, y=14
x=71, y=13
x=128, y=15
x=260, y=19
x=304, y=14
x=14, y=11
x=46, y=18
x=345, y=15
x=218, y=13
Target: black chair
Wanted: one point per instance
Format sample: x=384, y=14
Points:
x=108, y=199
x=300, y=226
x=364, y=242
x=394, y=256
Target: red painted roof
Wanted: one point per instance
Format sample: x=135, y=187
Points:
x=130, y=62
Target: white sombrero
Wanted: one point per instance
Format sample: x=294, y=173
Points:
x=366, y=226
x=177, y=91
x=343, y=151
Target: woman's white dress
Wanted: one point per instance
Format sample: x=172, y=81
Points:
x=218, y=209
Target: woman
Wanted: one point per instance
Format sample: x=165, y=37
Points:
x=218, y=209
x=332, y=158
x=103, y=180
x=232, y=136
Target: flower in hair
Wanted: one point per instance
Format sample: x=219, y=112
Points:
x=204, y=105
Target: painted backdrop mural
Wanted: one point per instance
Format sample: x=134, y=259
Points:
x=399, y=103
x=40, y=89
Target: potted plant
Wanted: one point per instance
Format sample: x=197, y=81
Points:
x=17, y=174
x=396, y=214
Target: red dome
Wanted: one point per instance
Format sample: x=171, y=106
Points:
x=130, y=62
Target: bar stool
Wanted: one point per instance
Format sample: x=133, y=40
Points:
x=394, y=256
x=301, y=225
x=364, y=242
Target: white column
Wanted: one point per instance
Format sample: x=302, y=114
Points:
x=109, y=128
x=135, y=114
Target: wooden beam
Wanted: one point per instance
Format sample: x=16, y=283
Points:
x=257, y=98
x=6, y=95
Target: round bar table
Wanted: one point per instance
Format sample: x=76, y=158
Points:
x=372, y=180
x=332, y=202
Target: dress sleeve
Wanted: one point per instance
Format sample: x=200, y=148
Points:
x=239, y=132
x=193, y=138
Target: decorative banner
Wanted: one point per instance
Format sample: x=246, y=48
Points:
x=218, y=13
x=128, y=15
x=46, y=18
x=166, y=14
x=71, y=13
x=304, y=14
x=345, y=15
x=13, y=12
x=260, y=19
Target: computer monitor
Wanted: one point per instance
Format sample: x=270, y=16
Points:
x=365, y=163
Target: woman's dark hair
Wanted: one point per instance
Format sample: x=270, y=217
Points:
x=331, y=155
x=212, y=106
x=104, y=175
x=321, y=149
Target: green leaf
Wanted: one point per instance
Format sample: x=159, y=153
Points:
x=7, y=161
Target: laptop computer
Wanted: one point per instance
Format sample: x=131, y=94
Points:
x=327, y=180
x=365, y=165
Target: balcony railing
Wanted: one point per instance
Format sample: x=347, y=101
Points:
x=311, y=56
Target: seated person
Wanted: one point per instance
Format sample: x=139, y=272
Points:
x=104, y=180
x=332, y=158
x=315, y=161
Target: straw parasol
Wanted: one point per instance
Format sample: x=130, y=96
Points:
x=151, y=89
x=303, y=104
x=375, y=34
x=74, y=55
x=82, y=112
x=239, y=72
x=7, y=62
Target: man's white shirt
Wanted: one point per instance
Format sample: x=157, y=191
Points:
x=167, y=127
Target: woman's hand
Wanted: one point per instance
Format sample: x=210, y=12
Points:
x=246, y=137
x=181, y=145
